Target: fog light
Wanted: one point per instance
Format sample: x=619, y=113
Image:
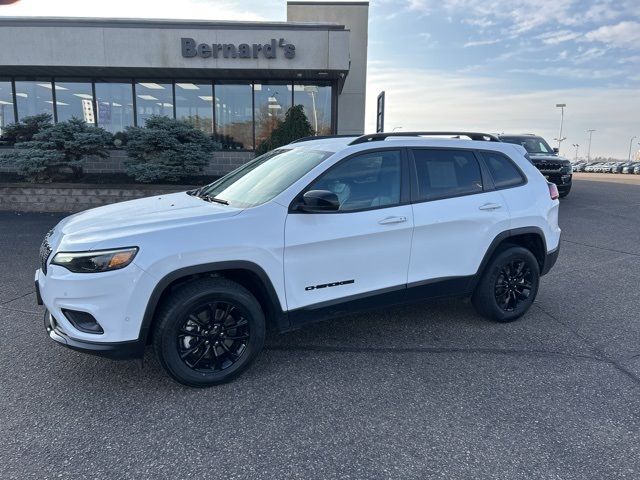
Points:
x=83, y=321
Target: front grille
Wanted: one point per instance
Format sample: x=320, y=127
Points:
x=549, y=167
x=45, y=251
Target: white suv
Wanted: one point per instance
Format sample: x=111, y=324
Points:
x=318, y=228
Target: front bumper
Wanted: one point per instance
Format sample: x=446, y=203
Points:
x=562, y=180
x=116, y=350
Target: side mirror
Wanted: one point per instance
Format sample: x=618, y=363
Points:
x=556, y=150
x=318, y=201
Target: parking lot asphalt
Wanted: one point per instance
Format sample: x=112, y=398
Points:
x=423, y=391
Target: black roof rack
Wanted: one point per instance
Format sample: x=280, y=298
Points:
x=372, y=137
x=320, y=137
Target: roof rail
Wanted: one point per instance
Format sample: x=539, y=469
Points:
x=319, y=137
x=372, y=137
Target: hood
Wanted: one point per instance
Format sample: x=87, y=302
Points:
x=547, y=157
x=140, y=216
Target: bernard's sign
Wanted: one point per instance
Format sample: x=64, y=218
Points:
x=190, y=48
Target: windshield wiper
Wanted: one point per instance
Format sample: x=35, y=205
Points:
x=209, y=198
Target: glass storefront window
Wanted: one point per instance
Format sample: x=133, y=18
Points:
x=194, y=103
x=234, y=116
x=115, y=105
x=271, y=103
x=6, y=105
x=153, y=98
x=34, y=97
x=74, y=99
x=316, y=102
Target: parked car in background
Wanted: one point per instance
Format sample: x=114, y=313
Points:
x=636, y=169
x=629, y=166
x=579, y=166
x=555, y=168
x=617, y=167
x=591, y=167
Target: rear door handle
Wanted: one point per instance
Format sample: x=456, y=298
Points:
x=490, y=206
x=390, y=220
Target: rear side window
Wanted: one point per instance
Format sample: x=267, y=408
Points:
x=505, y=174
x=446, y=173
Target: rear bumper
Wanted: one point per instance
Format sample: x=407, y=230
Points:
x=116, y=351
x=550, y=260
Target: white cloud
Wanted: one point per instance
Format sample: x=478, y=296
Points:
x=187, y=9
x=428, y=100
x=478, y=43
x=624, y=35
x=559, y=36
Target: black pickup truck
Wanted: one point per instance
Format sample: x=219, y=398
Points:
x=555, y=168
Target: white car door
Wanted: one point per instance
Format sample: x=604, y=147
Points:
x=360, y=249
x=456, y=218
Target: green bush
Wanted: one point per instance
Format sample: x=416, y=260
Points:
x=167, y=150
x=24, y=130
x=295, y=126
x=57, y=152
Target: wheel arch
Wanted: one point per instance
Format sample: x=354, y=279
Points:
x=531, y=238
x=248, y=274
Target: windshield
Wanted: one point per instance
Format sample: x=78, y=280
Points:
x=264, y=177
x=533, y=145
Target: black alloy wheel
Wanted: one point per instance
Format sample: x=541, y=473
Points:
x=513, y=285
x=508, y=285
x=208, y=331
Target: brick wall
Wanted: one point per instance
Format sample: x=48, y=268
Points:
x=70, y=198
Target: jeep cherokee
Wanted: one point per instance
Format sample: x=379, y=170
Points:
x=312, y=230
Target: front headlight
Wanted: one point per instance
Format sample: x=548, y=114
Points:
x=96, y=261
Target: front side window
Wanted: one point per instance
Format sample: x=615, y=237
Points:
x=446, y=173
x=364, y=181
x=264, y=177
x=503, y=171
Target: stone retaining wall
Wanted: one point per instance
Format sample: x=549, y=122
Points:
x=71, y=198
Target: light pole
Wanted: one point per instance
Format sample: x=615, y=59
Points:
x=631, y=146
x=560, y=138
x=591, y=130
x=576, y=145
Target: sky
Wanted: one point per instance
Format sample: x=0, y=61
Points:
x=493, y=66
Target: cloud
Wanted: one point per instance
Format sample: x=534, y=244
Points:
x=555, y=37
x=187, y=9
x=478, y=43
x=624, y=35
x=432, y=100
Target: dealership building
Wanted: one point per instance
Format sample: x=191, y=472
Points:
x=233, y=80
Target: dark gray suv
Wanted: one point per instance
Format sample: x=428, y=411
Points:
x=555, y=168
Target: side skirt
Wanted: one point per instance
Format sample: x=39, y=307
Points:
x=400, y=295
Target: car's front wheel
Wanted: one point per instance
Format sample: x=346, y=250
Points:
x=508, y=286
x=208, y=332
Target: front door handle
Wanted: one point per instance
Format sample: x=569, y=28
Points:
x=390, y=220
x=490, y=206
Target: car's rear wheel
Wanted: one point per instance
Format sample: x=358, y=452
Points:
x=208, y=332
x=508, y=286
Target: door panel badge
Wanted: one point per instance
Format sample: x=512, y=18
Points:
x=329, y=285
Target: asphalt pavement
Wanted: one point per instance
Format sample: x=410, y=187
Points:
x=423, y=391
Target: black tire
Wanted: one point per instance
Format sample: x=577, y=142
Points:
x=564, y=192
x=208, y=332
x=501, y=279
